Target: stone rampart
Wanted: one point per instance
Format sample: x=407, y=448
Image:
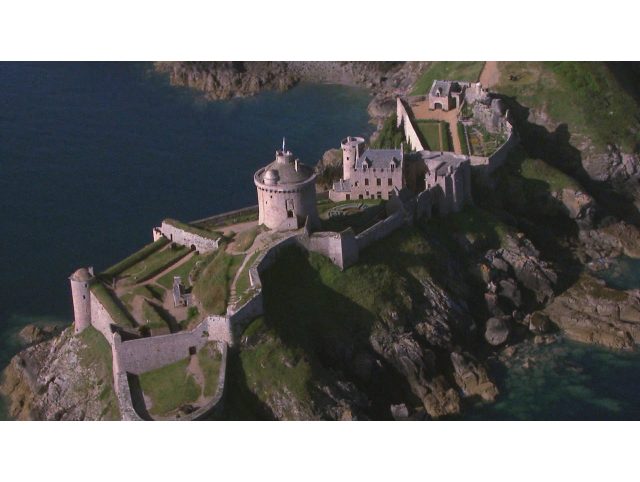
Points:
x=229, y=215
x=499, y=157
x=101, y=320
x=341, y=248
x=146, y=354
x=185, y=238
x=404, y=120
x=380, y=230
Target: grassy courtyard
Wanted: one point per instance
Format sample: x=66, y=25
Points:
x=435, y=134
x=154, y=264
x=169, y=387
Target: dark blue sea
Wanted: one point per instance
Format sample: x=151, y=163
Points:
x=93, y=155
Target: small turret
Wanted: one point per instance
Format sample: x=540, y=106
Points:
x=351, y=147
x=80, y=281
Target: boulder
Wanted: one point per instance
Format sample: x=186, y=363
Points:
x=497, y=330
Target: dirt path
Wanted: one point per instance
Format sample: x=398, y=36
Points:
x=490, y=74
x=195, y=370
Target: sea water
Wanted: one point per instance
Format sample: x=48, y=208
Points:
x=94, y=155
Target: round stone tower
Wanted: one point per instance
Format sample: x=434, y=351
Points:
x=286, y=193
x=80, y=281
x=351, y=148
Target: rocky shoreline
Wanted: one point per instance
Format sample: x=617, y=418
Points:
x=537, y=286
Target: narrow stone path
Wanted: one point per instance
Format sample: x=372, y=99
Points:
x=490, y=74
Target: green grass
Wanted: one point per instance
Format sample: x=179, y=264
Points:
x=463, y=139
x=476, y=224
x=169, y=387
x=153, y=319
x=555, y=179
x=243, y=283
x=146, y=291
x=213, y=283
x=463, y=71
x=205, y=233
x=584, y=95
x=435, y=135
x=359, y=220
x=136, y=257
x=154, y=264
x=95, y=354
x=113, y=306
x=245, y=239
x=265, y=370
x=210, y=358
x=183, y=271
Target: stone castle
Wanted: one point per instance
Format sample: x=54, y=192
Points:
x=415, y=183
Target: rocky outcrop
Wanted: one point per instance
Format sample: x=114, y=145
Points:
x=224, y=80
x=609, y=241
x=472, y=377
x=418, y=367
x=328, y=169
x=593, y=313
x=64, y=378
x=31, y=334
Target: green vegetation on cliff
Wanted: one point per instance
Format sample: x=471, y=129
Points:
x=389, y=137
x=465, y=71
x=584, y=95
x=95, y=354
x=556, y=180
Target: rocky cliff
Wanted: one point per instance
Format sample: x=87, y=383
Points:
x=224, y=80
x=62, y=378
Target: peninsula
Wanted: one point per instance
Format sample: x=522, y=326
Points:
x=441, y=245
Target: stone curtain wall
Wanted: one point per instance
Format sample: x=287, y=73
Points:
x=220, y=218
x=145, y=354
x=101, y=319
x=409, y=130
x=380, y=230
x=499, y=157
x=184, y=238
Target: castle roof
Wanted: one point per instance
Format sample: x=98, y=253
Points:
x=285, y=169
x=380, y=158
x=439, y=162
x=81, y=274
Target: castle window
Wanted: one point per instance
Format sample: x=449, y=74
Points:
x=389, y=182
x=379, y=195
x=366, y=182
x=360, y=196
x=348, y=197
x=84, y=297
x=356, y=184
x=390, y=194
x=378, y=182
x=392, y=166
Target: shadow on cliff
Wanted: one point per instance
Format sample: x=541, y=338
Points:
x=332, y=332
x=555, y=148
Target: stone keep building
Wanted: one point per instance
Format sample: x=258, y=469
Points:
x=81, y=296
x=286, y=193
x=446, y=94
x=368, y=173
